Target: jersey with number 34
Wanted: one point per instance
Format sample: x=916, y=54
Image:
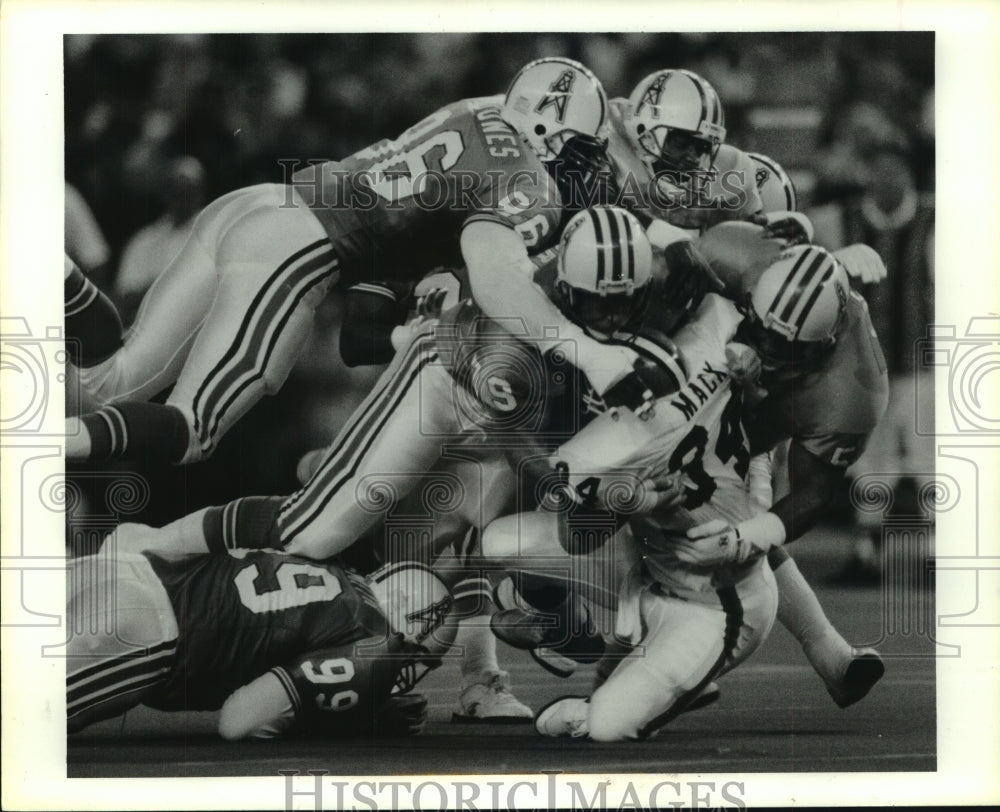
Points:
x=244, y=612
x=696, y=433
x=395, y=210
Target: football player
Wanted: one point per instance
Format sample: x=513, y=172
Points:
x=475, y=183
x=467, y=381
x=819, y=378
x=279, y=643
x=692, y=622
x=666, y=145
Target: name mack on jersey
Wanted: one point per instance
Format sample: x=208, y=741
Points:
x=707, y=381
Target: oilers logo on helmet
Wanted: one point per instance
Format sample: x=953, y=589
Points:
x=558, y=95
x=651, y=97
x=777, y=192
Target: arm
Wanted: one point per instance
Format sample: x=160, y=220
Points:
x=261, y=709
x=499, y=269
x=814, y=482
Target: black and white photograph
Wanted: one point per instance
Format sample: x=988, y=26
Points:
x=456, y=415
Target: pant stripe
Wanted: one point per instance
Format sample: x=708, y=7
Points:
x=322, y=488
x=287, y=274
x=246, y=373
x=358, y=422
x=734, y=620
x=118, y=678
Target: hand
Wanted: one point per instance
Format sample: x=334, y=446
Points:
x=430, y=304
x=862, y=262
x=663, y=492
x=401, y=715
x=744, y=368
x=403, y=334
x=714, y=544
x=791, y=227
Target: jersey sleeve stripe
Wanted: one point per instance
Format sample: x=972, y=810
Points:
x=377, y=290
x=289, y=685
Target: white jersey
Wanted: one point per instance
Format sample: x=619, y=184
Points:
x=696, y=432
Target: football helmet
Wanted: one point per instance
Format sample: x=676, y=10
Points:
x=604, y=270
x=416, y=603
x=675, y=122
x=553, y=99
x=559, y=107
x=795, y=309
x=777, y=192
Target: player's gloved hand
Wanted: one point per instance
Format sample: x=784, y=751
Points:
x=862, y=262
x=430, y=304
x=689, y=277
x=401, y=715
x=403, y=334
x=661, y=492
x=744, y=368
x=717, y=543
x=791, y=226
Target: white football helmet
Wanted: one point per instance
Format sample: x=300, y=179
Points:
x=553, y=99
x=796, y=308
x=675, y=122
x=416, y=603
x=604, y=269
x=777, y=192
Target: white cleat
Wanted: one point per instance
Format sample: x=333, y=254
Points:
x=863, y=670
x=490, y=701
x=566, y=716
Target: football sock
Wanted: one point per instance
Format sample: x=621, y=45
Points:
x=800, y=612
x=247, y=523
x=130, y=429
x=474, y=604
x=93, y=326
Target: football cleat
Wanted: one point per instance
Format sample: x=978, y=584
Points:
x=864, y=669
x=490, y=701
x=565, y=716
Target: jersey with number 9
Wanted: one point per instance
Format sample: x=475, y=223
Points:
x=396, y=209
x=246, y=611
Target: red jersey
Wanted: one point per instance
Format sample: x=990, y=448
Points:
x=395, y=210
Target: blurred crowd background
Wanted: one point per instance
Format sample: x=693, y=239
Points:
x=157, y=126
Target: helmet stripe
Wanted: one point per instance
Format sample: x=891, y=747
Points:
x=806, y=280
x=803, y=313
x=614, y=245
x=788, y=280
x=701, y=95
x=595, y=219
x=629, y=245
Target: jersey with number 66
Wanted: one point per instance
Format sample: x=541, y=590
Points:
x=244, y=612
x=395, y=209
